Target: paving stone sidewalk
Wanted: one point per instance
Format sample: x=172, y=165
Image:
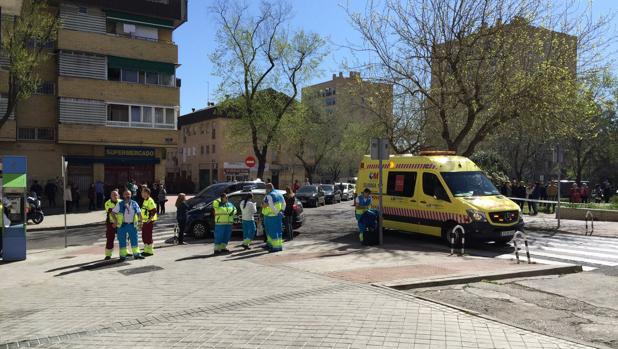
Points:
x=548, y=222
x=185, y=298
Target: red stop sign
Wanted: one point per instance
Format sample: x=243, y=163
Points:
x=250, y=161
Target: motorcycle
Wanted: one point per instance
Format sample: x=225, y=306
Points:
x=35, y=211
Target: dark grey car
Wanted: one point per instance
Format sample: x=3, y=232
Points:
x=311, y=195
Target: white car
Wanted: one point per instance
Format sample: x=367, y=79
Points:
x=347, y=191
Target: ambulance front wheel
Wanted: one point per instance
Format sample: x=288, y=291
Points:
x=447, y=228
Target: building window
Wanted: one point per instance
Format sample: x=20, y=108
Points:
x=213, y=148
x=119, y=113
x=214, y=133
x=130, y=75
x=330, y=101
x=113, y=74
x=207, y=149
x=136, y=114
x=147, y=115
x=46, y=88
x=35, y=133
x=141, y=116
x=202, y=150
x=152, y=78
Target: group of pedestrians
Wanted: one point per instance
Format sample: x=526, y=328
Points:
x=531, y=193
x=123, y=220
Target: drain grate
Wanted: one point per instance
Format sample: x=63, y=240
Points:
x=139, y=270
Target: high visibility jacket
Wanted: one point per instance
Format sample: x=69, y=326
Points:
x=109, y=206
x=224, y=213
x=277, y=200
x=149, y=210
x=362, y=204
x=122, y=206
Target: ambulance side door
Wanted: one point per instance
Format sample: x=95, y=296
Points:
x=400, y=192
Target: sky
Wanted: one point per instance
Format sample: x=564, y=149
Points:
x=196, y=40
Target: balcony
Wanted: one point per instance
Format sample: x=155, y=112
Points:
x=102, y=135
x=118, y=92
x=116, y=45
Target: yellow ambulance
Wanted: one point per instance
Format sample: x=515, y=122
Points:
x=433, y=192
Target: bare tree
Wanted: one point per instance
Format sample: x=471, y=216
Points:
x=475, y=65
x=255, y=53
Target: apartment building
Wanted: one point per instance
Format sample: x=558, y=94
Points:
x=347, y=96
x=212, y=149
x=110, y=97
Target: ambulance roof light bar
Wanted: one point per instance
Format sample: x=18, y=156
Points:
x=436, y=152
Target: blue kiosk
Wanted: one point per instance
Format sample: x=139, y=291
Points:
x=13, y=184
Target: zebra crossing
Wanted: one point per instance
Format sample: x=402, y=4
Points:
x=591, y=252
x=162, y=234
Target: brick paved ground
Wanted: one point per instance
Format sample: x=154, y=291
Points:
x=186, y=298
x=226, y=302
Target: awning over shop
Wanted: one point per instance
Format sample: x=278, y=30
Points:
x=110, y=160
x=127, y=63
x=136, y=19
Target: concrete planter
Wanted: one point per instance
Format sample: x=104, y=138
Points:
x=580, y=214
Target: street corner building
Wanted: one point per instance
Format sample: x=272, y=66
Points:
x=109, y=99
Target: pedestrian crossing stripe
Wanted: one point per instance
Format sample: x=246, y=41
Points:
x=590, y=252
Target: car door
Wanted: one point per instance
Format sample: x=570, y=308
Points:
x=434, y=202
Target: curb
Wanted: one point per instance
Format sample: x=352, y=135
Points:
x=552, y=270
x=490, y=318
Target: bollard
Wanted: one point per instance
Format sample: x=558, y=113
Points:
x=589, y=214
x=521, y=235
x=457, y=231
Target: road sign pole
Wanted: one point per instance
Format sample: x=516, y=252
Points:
x=380, y=216
x=64, y=202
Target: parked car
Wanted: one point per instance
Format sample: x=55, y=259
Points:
x=200, y=221
x=213, y=191
x=311, y=195
x=347, y=191
x=332, y=194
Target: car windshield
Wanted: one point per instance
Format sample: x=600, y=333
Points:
x=464, y=184
x=328, y=187
x=307, y=189
x=212, y=190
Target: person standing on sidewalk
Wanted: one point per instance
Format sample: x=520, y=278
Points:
x=110, y=229
x=248, y=209
x=181, y=216
x=224, y=218
x=362, y=204
x=161, y=198
x=99, y=189
x=50, y=192
x=290, y=200
x=149, y=212
x=272, y=210
x=91, y=198
x=131, y=218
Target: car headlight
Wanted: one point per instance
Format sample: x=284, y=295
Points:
x=314, y=194
x=477, y=216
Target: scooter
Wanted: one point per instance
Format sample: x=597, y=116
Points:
x=35, y=211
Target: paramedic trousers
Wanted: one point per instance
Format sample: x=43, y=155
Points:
x=274, y=238
x=361, y=226
x=223, y=234
x=147, y=237
x=124, y=230
x=110, y=235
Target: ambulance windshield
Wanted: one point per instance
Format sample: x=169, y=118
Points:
x=464, y=184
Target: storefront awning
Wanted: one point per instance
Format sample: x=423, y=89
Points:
x=136, y=19
x=109, y=160
x=127, y=63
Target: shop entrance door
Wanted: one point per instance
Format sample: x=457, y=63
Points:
x=117, y=176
